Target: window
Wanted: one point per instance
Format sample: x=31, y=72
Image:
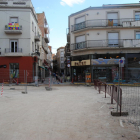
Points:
x=35, y=32
x=13, y=19
x=32, y=46
x=32, y=26
x=62, y=65
x=80, y=42
x=113, y=39
x=112, y=19
x=80, y=23
x=62, y=58
x=13, y=46
x=137, y=15
x=137, y=35
x=19, y=3
x=14, y=70
x=62, y=53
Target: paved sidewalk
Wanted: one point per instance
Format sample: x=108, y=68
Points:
x=65, y=113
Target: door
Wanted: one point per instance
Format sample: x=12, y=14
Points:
x=13, y=46
x=80, y=23
x=80, y=42
x=113, y=39
x=112, y=19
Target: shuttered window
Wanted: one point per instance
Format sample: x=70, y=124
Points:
x=80, y=39
x=113, y=39
x=113, y=17
x=13, y=20
x=79, y=20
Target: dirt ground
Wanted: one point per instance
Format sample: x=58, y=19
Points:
x=65, y=113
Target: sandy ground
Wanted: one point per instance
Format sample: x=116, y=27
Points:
x=65, y=113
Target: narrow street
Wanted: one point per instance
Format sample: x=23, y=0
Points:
x=65, y=113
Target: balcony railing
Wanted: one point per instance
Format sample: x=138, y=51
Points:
x=37, y=37
x=13, y=29
x=17, y=50
x=125, y=22
x=47, y=39
x=113, y=43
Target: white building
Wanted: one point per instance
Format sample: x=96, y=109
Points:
x=20, y=39
x=109, y=32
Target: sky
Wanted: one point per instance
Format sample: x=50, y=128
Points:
x=57, y=12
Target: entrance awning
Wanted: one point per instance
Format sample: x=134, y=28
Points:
x=43, y=68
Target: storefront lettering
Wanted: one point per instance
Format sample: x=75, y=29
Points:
x=80, y=63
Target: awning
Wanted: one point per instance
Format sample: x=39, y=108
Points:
x=43, y=68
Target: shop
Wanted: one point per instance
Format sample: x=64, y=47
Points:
x=105, y=69
x=15, y=67
x=79, y=70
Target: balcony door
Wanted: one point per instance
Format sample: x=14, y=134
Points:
x=80, y=23
x=113, y=39
x=13, y=46
x=112, y=19
x=13, y=19
x=80, y=42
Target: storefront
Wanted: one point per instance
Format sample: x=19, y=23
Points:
x=79, y=69
x=105, y=69
x=15, y=69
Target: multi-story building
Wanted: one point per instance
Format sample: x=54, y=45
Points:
x=67, y=60
x=44, y=64
x=20, y=40
x=54, y=63
x=60, y=60
x=100, y=36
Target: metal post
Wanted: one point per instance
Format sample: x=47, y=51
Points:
x=25, y=80
x=26, y=83
x=118, y=86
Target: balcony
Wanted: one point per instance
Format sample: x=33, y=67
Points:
x=37, y=37
x=16, y=52
x=110, y=23
x=47, y=39
x=68, y=35
x=13, y=29
x=111, y=43
x=46, y=29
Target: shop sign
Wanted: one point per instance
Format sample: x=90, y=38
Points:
x=102, y=61
x=80, y=63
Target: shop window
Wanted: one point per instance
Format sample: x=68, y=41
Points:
x=14, y=70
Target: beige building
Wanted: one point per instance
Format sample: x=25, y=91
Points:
x=60, y=59
x=102, y=36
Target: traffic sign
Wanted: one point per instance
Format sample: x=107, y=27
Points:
x=68, y=65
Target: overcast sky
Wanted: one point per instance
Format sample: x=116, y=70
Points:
x=57, y=12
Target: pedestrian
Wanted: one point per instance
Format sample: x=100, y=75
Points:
x=57, y=80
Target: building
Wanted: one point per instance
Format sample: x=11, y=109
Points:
x=60, y=60
x=44, y=65
x=22, y=46
x=54, y=63
x=67, y=60
x=100, y=36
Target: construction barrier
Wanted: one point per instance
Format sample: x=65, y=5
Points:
x=114, y=91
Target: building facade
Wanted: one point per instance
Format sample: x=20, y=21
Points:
x=60, y=60
x=20, y=41
x=44, y=65
x=100, y=36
